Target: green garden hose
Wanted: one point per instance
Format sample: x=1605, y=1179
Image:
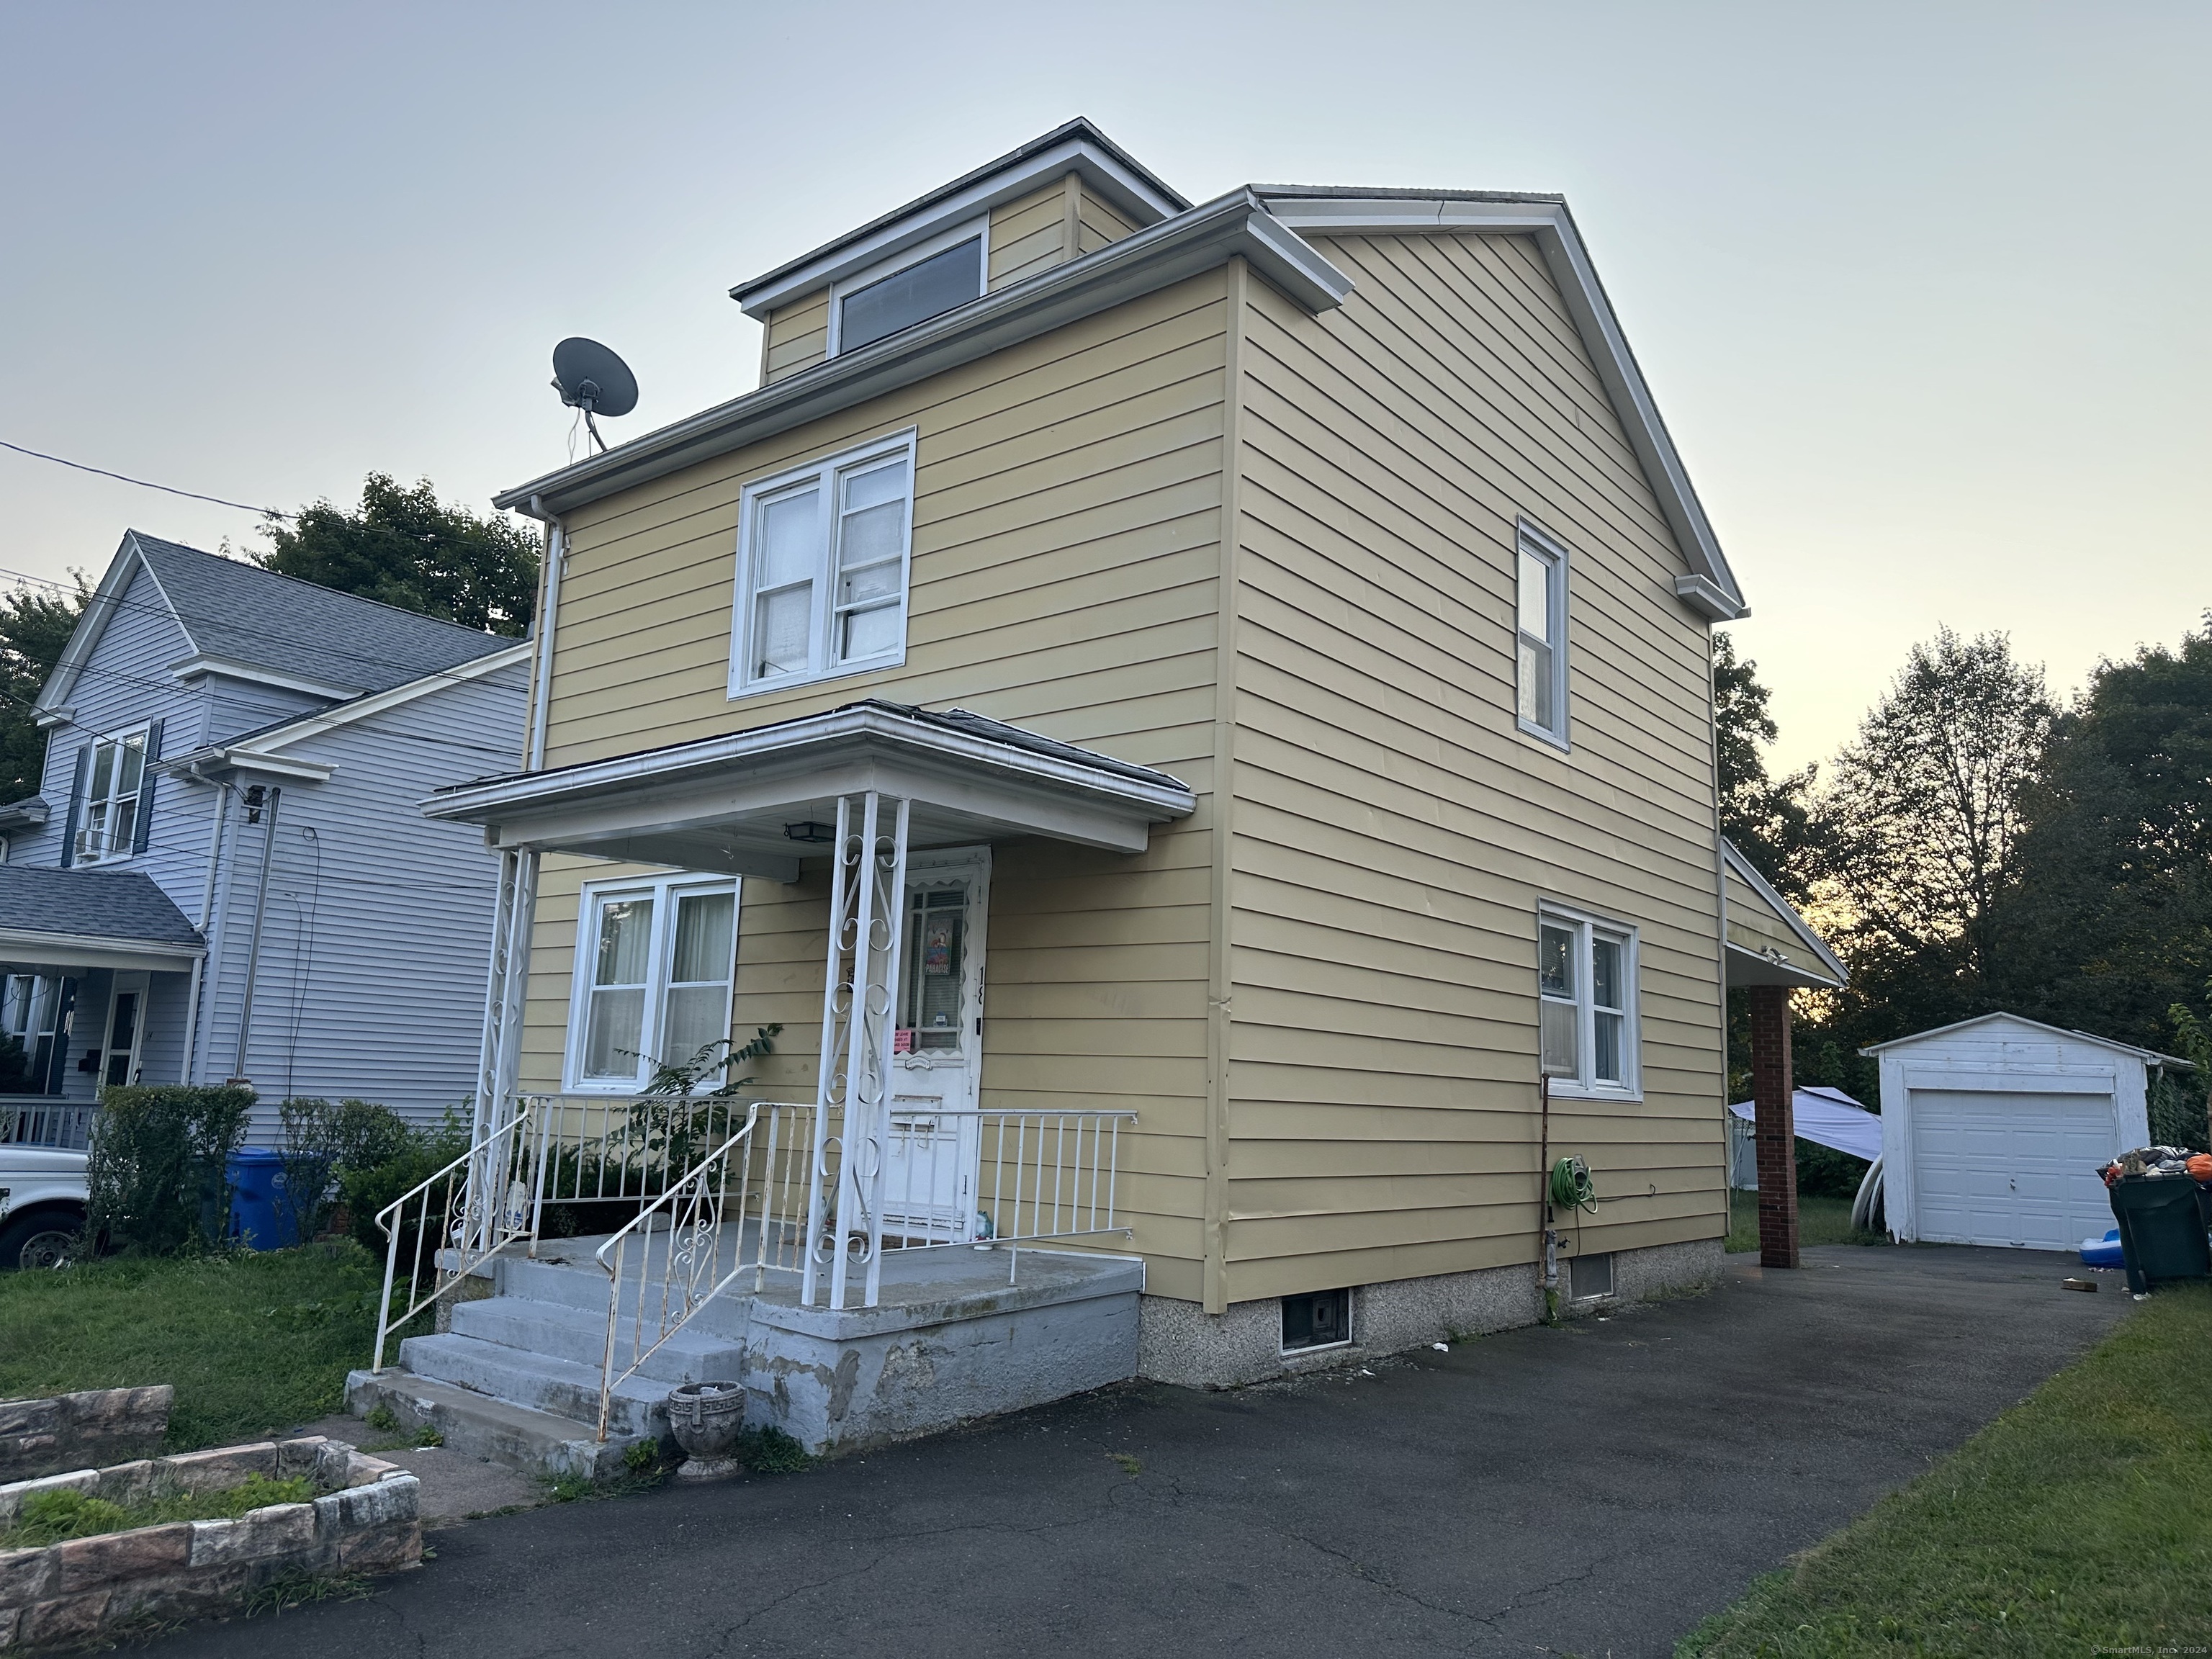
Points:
x=1569, y=1186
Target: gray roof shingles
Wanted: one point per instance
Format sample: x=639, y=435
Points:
x=119, y=904
x=245, y=614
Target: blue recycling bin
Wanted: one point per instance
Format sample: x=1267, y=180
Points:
x=261, y=1216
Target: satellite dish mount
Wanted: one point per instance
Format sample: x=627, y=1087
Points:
x=591, y=377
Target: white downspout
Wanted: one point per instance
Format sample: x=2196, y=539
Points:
x=218, y=816
x=549, y=607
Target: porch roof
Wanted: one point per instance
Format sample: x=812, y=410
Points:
x=51, y=918
x=744, y=802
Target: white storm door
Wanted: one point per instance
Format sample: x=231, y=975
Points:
x=1992, y=1168
x=937, y=1064
x=126, y=1030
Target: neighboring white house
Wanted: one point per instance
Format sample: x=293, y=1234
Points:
x=1993, y=1130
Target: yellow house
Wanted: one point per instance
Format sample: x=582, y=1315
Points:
x=1248, y=664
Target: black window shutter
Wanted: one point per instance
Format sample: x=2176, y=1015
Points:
x=142, y=834
x=76, y=805
x=65, y=1017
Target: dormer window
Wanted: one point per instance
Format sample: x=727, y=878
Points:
x=945, y=272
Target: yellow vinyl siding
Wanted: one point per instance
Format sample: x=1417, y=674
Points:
x=1097, y=224
x=1394, y=831
x=1030, y=236
x=1753, y=925
x=1066, y=520
x=797, y=337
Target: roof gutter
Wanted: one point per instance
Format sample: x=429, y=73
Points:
x=1209, y=235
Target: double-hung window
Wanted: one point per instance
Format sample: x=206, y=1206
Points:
x=1586, y=995
x=107, y=821
x=30, y=1022
x=1540, y=623
x=654, y=960
x=822, y=569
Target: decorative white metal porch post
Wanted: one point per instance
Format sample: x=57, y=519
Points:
x=859, y=995
x=499, y=1058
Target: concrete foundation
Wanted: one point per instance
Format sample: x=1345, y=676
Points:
x=1178, y=1341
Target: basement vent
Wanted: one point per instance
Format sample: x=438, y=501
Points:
x=1591, y=1276
x=1319, y=1319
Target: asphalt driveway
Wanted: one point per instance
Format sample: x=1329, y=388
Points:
x=1595, y=1490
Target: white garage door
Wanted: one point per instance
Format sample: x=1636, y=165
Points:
x=2007, y=1168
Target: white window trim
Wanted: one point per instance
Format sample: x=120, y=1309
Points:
x=665, y=890
x=975, y=229
x=87, y=860
x=1528, y=539
x=742, y=684
x=1631, y=1086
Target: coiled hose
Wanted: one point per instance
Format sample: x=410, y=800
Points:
x=1570, y=1186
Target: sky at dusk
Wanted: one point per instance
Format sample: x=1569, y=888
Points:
x=1920, y=288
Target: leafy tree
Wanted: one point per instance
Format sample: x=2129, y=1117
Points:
x=2109, y=927
x=403, y=548
x=1769, y=819
x=35, y=624
x=1922, y=824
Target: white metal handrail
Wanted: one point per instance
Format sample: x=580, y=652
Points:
x=751, y=1189
x=451, y=1219
x=1041, y=1174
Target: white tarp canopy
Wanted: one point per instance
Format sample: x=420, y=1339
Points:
x=1827, y=1117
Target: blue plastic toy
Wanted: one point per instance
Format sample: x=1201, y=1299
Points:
x=2102, y=1252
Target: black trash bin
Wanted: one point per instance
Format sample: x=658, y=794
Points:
x=2162, y=1228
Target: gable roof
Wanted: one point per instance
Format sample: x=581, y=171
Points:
x=1785, y=913
x=2149, y=1056
x=1258, y=222
x=239, y=615
x=1326, y=210
x=104, y=904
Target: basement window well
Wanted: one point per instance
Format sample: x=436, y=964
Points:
x=1318, y=1319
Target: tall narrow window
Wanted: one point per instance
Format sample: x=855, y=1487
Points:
x=30, y=1017
x=1586, y=1005
x=109, y=815
x=821, y=566
x=1540, y=623
x=654, y=960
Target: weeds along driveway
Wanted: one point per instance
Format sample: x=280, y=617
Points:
x=1595, y=1490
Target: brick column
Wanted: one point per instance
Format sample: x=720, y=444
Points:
x=1776, y=1125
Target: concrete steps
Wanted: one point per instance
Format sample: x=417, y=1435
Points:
x=540, y=1382
x=579, y=1335
x=538, y=1442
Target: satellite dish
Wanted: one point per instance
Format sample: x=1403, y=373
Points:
x=591, y=377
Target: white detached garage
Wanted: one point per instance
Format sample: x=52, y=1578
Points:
x=1992, y=1131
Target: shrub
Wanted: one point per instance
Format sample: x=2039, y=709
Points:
x=322, y=1141
x=368, y=1188
x=156, y=1170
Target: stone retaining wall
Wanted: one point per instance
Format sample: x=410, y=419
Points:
x=82, y=1430
x=366, y=1521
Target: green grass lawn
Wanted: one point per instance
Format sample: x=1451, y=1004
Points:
x=254, y=1342
x=2079, y=1521
x=1819, y=1221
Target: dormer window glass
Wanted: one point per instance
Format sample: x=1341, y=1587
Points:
x=821, y=565
x=943, y=273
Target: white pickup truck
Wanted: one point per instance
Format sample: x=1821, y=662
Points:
x=42, y=1205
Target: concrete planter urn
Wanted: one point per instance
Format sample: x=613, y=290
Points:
x=705, y=1419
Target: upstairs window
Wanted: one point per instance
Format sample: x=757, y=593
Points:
x=107, y=814
x=1586, y=988
x=822, y=569
x=943, y=273
x=655, y=961
x=1540, y=621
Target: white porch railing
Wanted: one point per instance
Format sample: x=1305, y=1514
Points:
x=1038, y=1176
x=742, y=1208
x=63, y=1129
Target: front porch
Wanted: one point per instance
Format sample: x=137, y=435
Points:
x=515, y=1371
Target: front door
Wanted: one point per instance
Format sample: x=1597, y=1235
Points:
x=126, y=1023
x=936, y=1063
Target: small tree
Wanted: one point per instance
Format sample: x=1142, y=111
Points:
x=322, y=1142
x=1770, y=819
x=156, y=1174
x=35, y=625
